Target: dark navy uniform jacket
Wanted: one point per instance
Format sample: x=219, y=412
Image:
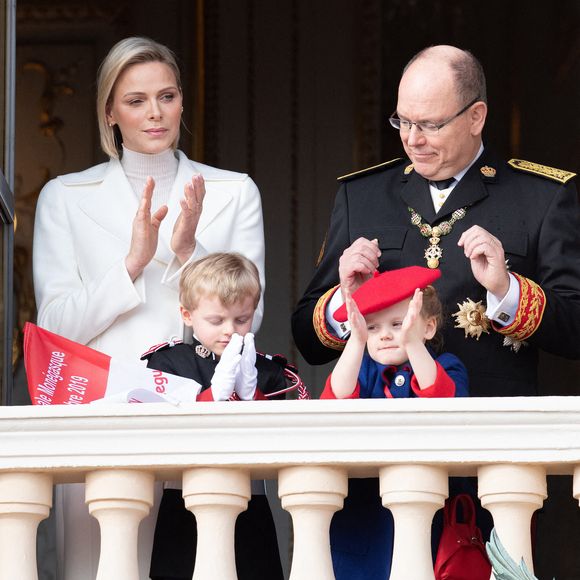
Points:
x=536, y=217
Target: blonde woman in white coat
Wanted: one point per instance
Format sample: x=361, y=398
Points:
x=110, y=242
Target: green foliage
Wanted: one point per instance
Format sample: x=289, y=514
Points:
x=504, y=567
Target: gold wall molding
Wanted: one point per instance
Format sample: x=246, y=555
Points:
x=48, y=12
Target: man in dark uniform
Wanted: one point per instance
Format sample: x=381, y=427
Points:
x=505, y=235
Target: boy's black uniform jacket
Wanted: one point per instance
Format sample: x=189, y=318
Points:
x=256, y=549
x=183, y=360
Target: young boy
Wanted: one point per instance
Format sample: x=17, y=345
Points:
x=392, y=317
x=218, y=296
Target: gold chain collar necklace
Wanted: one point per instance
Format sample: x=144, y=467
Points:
x=434, y=252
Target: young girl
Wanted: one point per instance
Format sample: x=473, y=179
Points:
x=394, y=318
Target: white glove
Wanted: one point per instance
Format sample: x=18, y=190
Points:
x=247, y=377
x=224, y=376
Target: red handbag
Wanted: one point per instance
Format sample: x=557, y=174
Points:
x=461, y=554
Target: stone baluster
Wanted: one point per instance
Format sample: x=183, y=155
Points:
x=119, y=499
x=312, y=495
x=512, y=493
x=413, y=493
x=25, y=500
x=216, y=496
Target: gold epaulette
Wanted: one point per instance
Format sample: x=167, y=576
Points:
x=558, y=175
x=370, y=170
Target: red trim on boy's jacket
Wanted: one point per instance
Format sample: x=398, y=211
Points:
x=159, y=346
x=206, y=396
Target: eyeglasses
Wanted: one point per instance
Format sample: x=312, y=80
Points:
x=426, y=127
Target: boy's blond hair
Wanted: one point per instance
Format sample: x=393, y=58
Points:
x=228, y=275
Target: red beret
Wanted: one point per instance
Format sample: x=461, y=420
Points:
x=384, y=290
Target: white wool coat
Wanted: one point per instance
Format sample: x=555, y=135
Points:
x=82, y=235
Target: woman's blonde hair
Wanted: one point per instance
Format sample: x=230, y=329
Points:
x=228, y=275
x=126, y=53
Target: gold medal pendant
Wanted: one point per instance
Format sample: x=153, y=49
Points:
x=434, y=253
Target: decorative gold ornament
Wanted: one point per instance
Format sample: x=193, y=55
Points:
x=201, y=351
x=471, y=317
x=488, y=171
x=408, y=169
x=514, y=344
x=434, y=253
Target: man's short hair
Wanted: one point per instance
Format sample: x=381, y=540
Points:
x=228, y=275
x=467, y=72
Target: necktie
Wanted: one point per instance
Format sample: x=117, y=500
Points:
x=443, y=183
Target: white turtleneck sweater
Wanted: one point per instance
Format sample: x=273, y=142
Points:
x=162, y=167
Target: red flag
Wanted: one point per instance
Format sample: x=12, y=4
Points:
x=63, y=372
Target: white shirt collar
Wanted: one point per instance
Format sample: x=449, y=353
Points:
x=439, y=196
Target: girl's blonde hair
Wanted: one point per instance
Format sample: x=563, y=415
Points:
x=126, y=53
x=228, y=275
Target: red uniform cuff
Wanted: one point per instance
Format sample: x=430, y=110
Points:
x=442, y=387
x=205, y=395
x=529, y=313
x=328, y=393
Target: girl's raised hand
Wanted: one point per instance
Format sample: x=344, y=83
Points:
x=358, y=324
x=411, y=331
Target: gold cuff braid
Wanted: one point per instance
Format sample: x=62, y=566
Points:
x=319, y=322
x=530, y=311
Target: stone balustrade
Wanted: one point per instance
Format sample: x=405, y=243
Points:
x=311, y=447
